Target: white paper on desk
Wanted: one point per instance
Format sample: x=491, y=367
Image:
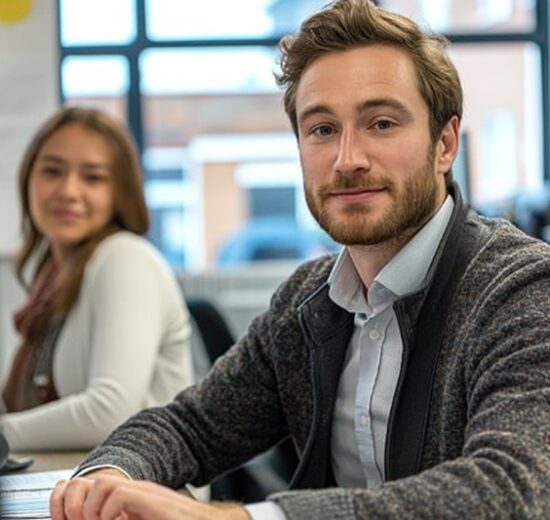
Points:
x=27, y=495
x=28, y=481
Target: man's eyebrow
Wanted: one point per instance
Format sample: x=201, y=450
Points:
x=368, y=104
x=319, y=108
x=381, y=103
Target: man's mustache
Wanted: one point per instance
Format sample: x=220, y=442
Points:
x=356, y=183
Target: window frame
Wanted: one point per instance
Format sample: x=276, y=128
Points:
x=539, y=36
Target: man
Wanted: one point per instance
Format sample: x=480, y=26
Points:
x=413, y=371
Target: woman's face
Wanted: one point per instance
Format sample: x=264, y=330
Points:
x=71, y=187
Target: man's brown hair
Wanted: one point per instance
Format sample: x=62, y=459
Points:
x=345, y=24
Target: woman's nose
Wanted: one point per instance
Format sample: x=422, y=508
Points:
x=70, y=185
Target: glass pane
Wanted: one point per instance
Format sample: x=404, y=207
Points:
x=210, y=19
x=208, y=71
x=97, y=22
x=224, y=146
x=457, y=16
x=96, y=81
x=502, y=120
x=185, y=98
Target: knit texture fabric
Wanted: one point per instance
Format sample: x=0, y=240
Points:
x=486, y=452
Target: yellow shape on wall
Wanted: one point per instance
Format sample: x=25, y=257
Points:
x=13, y=11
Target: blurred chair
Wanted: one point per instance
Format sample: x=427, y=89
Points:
x=213, y=328
x=267, y=473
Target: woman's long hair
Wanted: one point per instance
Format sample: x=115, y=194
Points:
x=129, y=212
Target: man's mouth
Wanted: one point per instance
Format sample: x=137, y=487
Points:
x=356, y=194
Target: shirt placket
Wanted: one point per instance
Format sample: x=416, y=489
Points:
x=373, y=332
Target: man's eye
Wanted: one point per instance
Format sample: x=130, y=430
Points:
x=323, y=130
x=383, y=124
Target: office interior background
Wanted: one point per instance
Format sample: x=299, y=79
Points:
x=194, y=82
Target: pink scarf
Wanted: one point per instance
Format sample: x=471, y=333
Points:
x=19, y=392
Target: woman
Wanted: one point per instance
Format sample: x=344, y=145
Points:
x=104, y=331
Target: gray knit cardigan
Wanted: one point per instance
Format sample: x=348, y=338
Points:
x=469, y=432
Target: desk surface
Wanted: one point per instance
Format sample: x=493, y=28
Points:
x=45, y=461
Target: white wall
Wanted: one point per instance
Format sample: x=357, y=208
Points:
x=28, y=94
x=28, y=86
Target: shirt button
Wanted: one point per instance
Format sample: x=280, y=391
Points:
x=374, y=334
x=364, y=420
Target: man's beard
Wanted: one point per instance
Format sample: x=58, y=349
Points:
x=413, y=203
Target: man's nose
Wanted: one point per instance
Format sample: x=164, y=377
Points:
x=353, y=156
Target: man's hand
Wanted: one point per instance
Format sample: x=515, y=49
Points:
x=110, y=498
x=68, y=497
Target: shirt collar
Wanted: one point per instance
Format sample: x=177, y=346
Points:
x=406, y=271
x=402, y=275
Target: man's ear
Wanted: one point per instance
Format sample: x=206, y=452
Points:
x=447, y=145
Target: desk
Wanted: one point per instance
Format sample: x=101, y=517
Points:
x=45, y=461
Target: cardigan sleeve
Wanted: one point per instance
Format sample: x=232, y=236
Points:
x=125, y=347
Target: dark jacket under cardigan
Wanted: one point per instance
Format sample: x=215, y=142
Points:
x=469, y=429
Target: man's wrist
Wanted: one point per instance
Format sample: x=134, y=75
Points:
x=114, y=471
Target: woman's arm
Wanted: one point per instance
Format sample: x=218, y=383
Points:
x=124, y=346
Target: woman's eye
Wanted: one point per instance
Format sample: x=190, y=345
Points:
x=94, y=178
x=51, y=172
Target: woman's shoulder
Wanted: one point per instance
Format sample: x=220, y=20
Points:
x=126, y=241
x=126, y=249
x=127, y=267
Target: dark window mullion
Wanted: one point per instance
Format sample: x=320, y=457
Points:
x=543, y=21
x=519, y=37
x=135, y=114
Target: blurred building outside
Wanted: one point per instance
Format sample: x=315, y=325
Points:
x=217, y=148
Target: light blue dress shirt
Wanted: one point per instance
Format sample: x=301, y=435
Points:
x=373, y=359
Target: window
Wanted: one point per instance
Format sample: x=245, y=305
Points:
x=202, y=113
x=502, y=118
x=236, y=19
x=101, y=22
x=219, y=157
x=469, y=16
x=499, y=48
x=99, y=81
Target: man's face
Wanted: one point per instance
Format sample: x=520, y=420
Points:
x=371, y=172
